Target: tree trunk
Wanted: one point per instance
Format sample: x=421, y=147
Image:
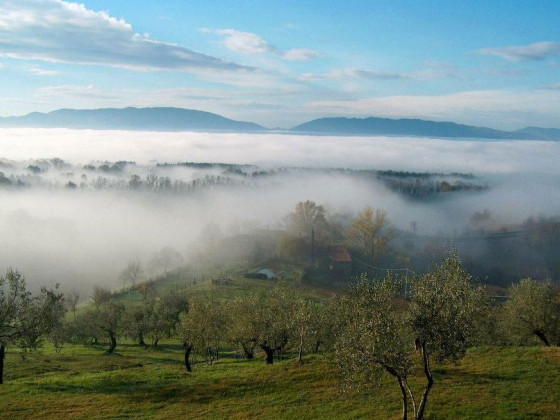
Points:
x=542, y=337
x=394, y=373
x=187, y=355
x=316, y=348
x=269, y=355
x=404, y=399
x=141, y=341
x=2, y=354
x=428, y=373
x=113, y=343
x=249, y=351
x=156, y=341
x=300, y=352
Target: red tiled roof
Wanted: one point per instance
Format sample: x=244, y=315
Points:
x=339, y=253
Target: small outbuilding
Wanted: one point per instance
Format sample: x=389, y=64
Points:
x=340, y=261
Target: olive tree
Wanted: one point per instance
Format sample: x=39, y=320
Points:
x=273, y=320
x=373, y=336
x=446, y=313
x=533, y=310
x=24, y=317
x=197, y=330
x=101, y=295
x=173, y=305
x=379, y=333
x=312, y=325
x=107, y=319
x=137, y=322
x=240, y=331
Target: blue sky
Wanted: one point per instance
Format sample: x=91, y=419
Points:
x=280, y=63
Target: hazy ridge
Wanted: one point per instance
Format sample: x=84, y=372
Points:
x=180, y=119
x=143, y=119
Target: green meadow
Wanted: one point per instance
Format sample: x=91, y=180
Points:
x=83, y=382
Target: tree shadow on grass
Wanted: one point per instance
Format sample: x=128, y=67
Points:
x=483, y=378
x=153, y=387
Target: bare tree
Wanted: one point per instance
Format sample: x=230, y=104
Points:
x=132, y=273
x=72, y=301
x=151, y=181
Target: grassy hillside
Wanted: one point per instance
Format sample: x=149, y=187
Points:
x=82, y=382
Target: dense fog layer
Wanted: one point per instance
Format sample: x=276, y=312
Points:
x=399, y=153
x=80, y=218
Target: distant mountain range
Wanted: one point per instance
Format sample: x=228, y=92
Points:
x=179, y=119
x=416, y=127
x=157, y=119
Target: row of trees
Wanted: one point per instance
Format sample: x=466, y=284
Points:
x=152, y=319
x=272, y=322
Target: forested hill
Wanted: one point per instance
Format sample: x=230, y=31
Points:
x=158, y=119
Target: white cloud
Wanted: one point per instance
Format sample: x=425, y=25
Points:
x=432, y=72
x=60, y=31
x=352, y=73
x=38, y=71
x=300, y=54
x=492, y=108
x=370, y=74
x=250, y=43
x=531, y=52
x=74, y=91
x=245, y=42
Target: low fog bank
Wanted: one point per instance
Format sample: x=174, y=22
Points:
x=62, y=224
x=273, y=150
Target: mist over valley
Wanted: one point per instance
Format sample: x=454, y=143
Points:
x=79, y=204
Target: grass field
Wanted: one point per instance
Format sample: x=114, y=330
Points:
x=82, y=382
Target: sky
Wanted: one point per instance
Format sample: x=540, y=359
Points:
x=282, y=63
